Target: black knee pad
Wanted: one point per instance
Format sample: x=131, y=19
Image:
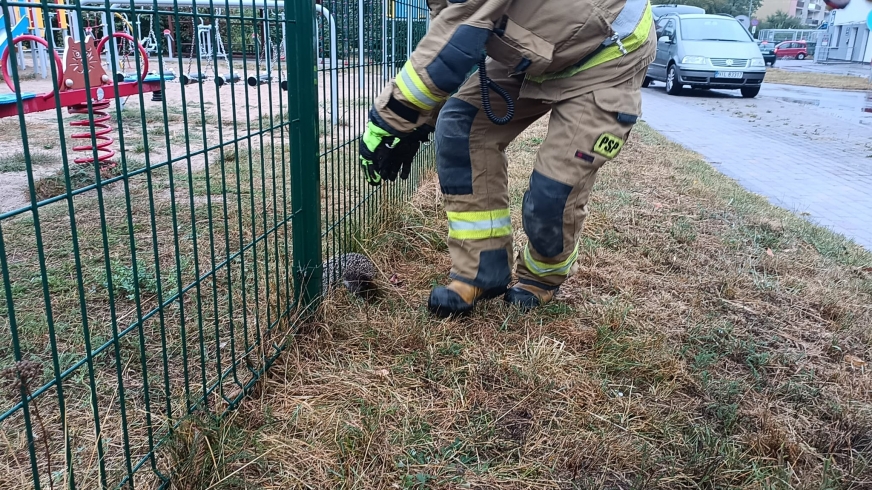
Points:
x=453, y=162
x=542, y=214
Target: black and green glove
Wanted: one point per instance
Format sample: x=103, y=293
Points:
x=384, y=156
x=399, y=162
x=375, y=148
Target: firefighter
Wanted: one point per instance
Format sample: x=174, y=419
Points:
x=582, y=60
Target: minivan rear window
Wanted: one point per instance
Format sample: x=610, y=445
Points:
x=661, y=10
x=714, y=29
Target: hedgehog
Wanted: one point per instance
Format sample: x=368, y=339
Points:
x=356, y=271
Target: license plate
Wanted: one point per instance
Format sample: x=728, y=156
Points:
x=728, y=74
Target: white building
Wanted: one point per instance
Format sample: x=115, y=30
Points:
x=847, y=37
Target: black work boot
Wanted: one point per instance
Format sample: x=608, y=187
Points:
x=527, y=296
x=458, y=298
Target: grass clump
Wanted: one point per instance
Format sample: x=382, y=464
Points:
x=127, y=282
x=17, y=162
x=822, y=80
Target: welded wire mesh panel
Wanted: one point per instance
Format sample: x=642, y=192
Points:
x=361, y=46
x=151, y=161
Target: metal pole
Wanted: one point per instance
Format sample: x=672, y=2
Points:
x=305, y=172
x=109, y=32
x=409, y=31
x=384, y=36
x=170, y=47
x=360, y=60
x=394, y=44
x=334, y=69
x=267, y=43
x=74, y=28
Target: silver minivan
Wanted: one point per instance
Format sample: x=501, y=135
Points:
x=706, y=51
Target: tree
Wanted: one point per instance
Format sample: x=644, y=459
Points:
x=780, y=20
x=729, y=7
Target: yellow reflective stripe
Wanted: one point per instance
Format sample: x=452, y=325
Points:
x=480, y=234
x=612, y=52
x=543, y=269
x=479, y=225
x=414, y=89
x=421, y=85
x=471, y=216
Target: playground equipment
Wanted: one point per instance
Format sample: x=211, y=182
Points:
x=74, y=91
x=28, y=21
x=149, y=42
x=265, y=50
x=134, y=29
x=204, y=49
x=127, y=37
x=222, y=80
x=20, y=25
x=266, y=6
x=168, y=34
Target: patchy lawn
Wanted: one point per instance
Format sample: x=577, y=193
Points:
x=823, y=80
x=709, y=340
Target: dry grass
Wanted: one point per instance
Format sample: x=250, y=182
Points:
x=170, y=359
x=183, y=277
x=710, y=340
x=823, y=80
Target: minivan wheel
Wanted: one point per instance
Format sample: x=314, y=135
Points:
x=672, y=85
x=646, y=82
x=750, y=92
x=800, y=56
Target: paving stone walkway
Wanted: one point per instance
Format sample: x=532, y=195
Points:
x=807, y=150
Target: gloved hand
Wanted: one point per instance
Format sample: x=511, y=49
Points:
x=399, y=162
x=384, y=156
x=376, y=145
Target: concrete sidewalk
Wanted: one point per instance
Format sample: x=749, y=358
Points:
x=806, y=158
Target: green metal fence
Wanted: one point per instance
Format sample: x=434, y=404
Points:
x=161, y=235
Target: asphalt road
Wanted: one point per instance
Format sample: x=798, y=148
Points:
x=806, y=149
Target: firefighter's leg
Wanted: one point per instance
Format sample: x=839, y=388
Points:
x=584, y=132
x=471, y=164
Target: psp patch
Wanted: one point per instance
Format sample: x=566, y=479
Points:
x=608, y=145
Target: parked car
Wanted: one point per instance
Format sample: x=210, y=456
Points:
x=671, y=8
x=792, y=49
x=706, y=51
x=767, y=49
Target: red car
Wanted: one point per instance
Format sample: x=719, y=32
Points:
x=791, y=49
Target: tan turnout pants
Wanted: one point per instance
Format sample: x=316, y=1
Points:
x=585, y=131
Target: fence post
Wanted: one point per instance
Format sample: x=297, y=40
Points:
x=409, y=31
x=305, y=175
x=361, y=59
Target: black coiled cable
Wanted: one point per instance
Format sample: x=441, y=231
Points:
x=486, y=85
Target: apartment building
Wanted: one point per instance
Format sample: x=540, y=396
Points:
x=810, y=12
